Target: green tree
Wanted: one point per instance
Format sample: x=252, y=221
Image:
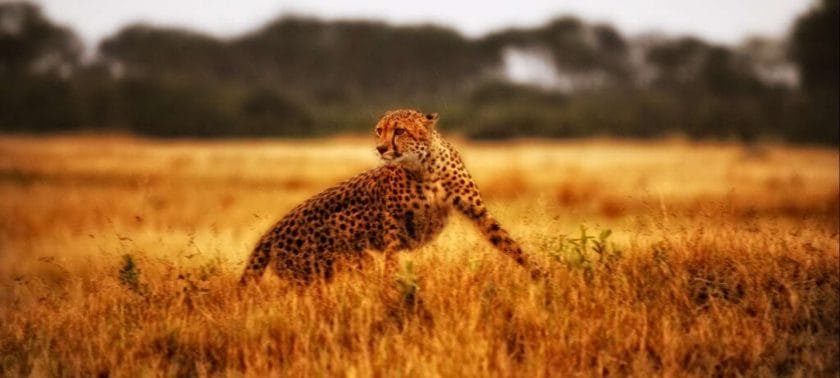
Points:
x=815, y=44
x=37, y=58
x=815, y=47
x=29, y=43
x=172, y=54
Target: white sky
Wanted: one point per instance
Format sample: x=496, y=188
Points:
x=722, y=21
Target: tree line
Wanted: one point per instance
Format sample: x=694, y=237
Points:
x=299, y=76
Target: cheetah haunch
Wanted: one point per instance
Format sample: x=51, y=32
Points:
x=403, y=204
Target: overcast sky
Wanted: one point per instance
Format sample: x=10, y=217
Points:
x=722, y=21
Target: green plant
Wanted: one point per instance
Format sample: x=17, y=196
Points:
x=408, y=285
x=130, y=273
x=577, y=252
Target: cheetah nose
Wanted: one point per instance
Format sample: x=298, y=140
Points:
x=382, y=149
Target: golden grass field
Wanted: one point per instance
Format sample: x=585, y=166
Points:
x=120, y=256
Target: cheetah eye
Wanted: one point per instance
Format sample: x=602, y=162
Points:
x=378, y=131
x=399, y=131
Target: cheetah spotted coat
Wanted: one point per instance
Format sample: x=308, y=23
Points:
x=401, y=205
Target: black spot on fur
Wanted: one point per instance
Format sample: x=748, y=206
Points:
x=409, y=225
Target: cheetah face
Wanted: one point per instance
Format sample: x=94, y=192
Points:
x=404, y=135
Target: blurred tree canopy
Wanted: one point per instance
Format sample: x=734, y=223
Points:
x=815, y=48
x=36, y=59
x=299, y=76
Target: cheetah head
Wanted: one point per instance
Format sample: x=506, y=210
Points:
x=405, y=136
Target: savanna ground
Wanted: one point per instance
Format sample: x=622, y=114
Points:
x=120, y=256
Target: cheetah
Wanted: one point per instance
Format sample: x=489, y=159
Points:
x=401, y=205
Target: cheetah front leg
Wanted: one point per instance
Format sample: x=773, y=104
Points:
x=468, y=201
x=393, y=243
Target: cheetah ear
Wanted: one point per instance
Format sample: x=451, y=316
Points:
x=431, y=119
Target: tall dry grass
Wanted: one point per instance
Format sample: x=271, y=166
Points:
x=120, y=257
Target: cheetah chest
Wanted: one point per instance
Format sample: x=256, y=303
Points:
x=428, y=214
